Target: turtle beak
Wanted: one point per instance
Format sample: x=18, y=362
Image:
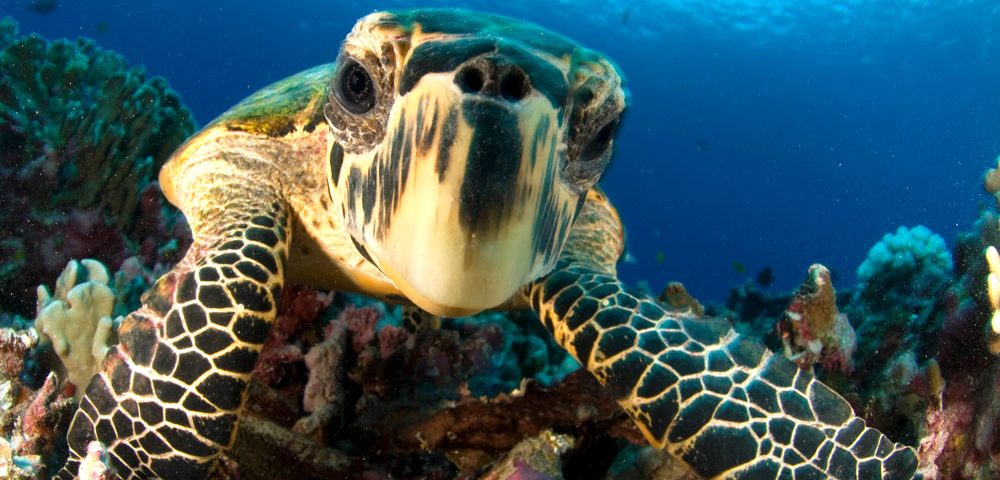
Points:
x=471, y=204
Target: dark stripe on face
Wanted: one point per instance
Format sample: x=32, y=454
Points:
x=395, y=169
x=336, y=162
x=354, y=186
x=448, y=133
x=544, y=229
x=425, y=139
x=541, y=134
x=363, y=251
x=494, y=159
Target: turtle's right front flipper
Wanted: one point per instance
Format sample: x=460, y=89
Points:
x=167, y=400
x=719, y=401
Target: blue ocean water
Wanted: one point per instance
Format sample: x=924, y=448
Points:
x=762, y=132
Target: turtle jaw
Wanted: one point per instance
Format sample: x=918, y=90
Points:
x=463, y=201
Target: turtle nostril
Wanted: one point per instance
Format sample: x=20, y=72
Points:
x=470, y=79
x=514, y=85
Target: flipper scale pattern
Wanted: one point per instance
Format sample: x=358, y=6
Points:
x=720, y=402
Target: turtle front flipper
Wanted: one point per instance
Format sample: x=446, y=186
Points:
x=720, y=402
x=166, y=402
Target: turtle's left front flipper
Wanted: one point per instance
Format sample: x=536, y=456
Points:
x=167, y=400
x=718, y=401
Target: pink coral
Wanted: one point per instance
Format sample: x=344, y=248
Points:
x=274, y=363
x=325, y=365
x=300, y=306
x=324, y=393
x=42, y=421
x=523, y=471
x=391, y=339
x=14, y=345
x=361, y=323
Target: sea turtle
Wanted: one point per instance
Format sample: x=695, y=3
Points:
x=448, y=159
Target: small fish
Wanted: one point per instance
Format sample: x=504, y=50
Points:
x=629, y=258
x=765, y=277
x=626, y=14
x=102, y=28
x=702, y=145
x=43, y=7
x=660, y=257
x=738, y=267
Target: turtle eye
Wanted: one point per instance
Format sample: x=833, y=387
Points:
x=600, y=141
x=354, y=87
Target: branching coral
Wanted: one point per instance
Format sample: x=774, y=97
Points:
x=88, y=122
x=82, y=135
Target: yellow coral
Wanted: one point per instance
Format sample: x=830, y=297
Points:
x=993, y=285
x=77, y=319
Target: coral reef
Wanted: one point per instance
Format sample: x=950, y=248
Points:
x=896, y=310
x=82, y=135
x=959, y=437
x=344, y=389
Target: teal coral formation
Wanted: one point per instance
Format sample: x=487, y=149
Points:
x=909, y=264
x=82, y=136
x=896, y=310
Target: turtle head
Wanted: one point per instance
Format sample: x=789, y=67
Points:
x=463, y=147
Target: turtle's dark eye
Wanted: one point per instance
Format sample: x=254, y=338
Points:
x=599, y=142
x=354, y=87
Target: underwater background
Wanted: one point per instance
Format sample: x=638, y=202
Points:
x=761, y=133
x=763, y=138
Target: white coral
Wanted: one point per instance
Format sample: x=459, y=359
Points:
x=77, y=319
x=95, y=465
x=916, y=252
